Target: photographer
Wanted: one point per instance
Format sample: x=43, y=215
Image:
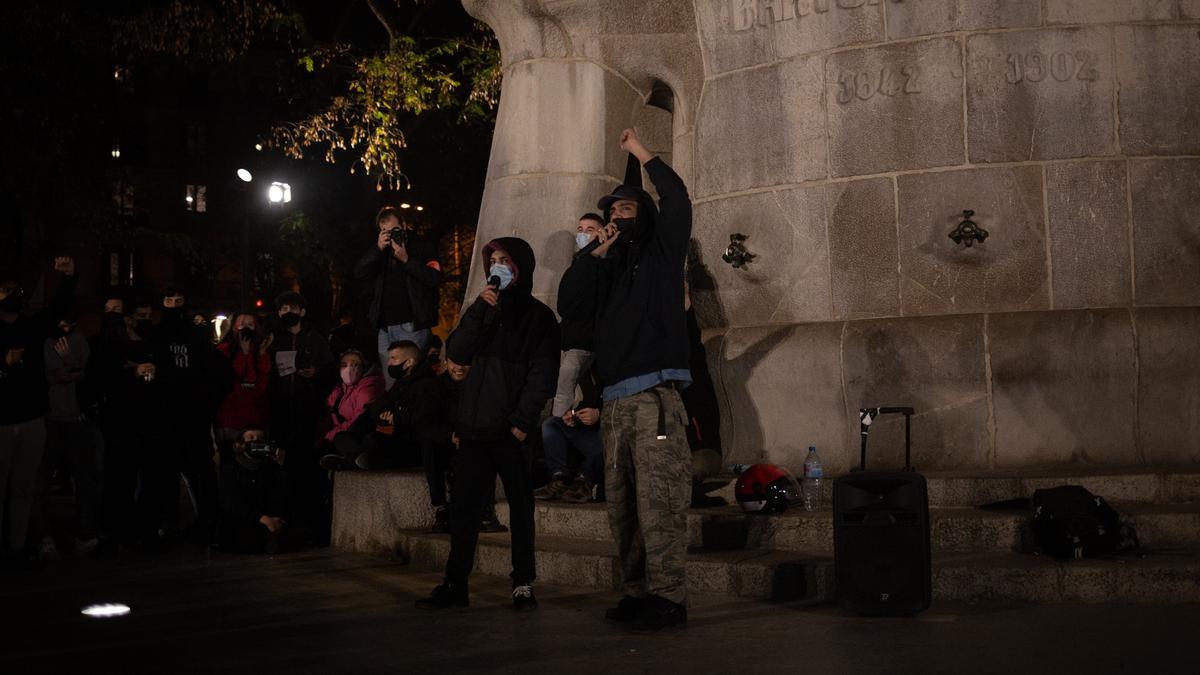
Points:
x=405, y=273
x=255, y=494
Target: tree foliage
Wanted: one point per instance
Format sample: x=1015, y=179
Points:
x=362, y=102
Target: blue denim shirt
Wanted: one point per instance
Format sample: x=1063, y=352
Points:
x=639, y=383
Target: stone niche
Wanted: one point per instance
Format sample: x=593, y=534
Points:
x=846, y=138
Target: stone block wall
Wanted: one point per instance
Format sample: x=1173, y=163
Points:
x=846, y=138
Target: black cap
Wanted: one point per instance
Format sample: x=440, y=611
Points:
x=622, y=192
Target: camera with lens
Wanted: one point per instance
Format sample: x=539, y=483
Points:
x=260, y=449
x=398, y=235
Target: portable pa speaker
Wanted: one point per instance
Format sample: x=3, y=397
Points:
x=881, y=536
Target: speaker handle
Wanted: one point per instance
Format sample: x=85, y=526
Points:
x=867, y=415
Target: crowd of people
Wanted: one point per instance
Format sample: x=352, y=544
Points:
x=166, y=435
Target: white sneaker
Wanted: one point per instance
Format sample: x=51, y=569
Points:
x=84, y=547
x=48, y=550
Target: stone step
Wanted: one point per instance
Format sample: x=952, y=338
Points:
x=1168, y=485
x=952, y=529
x=781, y=576
x=371, y=508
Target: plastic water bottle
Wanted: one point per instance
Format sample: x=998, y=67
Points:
x=813, y=475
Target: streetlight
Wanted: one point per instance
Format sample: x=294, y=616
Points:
x=279, y=192
x=244, y=174
x=406, y=205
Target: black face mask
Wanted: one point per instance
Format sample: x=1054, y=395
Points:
x=11, y=304
x=113, y=323
x=59, y=333
x=172, y=314
x=289, y=320
x=630, y=230
x=143, y=327
x=246, y=334
x=397, y=372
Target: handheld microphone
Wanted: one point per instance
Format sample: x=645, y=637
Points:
x=494, y=281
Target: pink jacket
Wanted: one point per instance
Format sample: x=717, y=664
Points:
x=347, y=402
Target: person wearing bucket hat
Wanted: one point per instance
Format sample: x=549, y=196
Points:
x=631, y=284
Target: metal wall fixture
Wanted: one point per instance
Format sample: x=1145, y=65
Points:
x=736, y=254
x=968, y=231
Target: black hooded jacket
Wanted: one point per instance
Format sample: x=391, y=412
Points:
x=635, y=294
x=513, y=351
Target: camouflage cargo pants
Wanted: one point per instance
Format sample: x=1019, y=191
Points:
x=649, y=488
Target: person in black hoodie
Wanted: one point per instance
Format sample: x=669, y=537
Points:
x=24, y=401
x=511, y=342
x=194, y=380
x=405, y=273
x=632, y=285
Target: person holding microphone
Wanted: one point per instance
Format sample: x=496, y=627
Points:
x=511, y=342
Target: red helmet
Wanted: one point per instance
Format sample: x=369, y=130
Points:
x=766, y=488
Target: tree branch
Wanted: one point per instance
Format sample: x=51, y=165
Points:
x=383, y=10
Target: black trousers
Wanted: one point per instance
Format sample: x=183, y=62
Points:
x=247, y=494
x=138, y=481
x=195, y=457
x=476, y=465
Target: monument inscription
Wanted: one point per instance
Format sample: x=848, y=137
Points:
x=1034, y=66
x=750, y=14
x=888, y=81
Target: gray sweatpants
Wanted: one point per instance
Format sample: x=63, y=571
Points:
x=21, y=447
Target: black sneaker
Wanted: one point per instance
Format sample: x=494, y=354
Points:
x=441, y=520
x=446, y=596
x=332, y=462
x=552, y=490
x=489, y=522
x=626, y=610
x=659, y=613
x=523, y=600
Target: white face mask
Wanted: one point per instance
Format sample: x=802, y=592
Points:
x=582, y=239
x=503, y=272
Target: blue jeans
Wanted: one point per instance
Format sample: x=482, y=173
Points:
x=396, y=333
x=557, y=436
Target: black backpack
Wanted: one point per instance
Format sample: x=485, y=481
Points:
x=1069, y=522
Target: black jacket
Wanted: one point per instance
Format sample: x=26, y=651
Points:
x=23, y=386
x=423, y=276
x=194, y=375
x=513, y=352
x=405, y=399
x=577, y=333
x=635, y=294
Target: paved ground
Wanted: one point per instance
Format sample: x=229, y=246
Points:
x=320, y=612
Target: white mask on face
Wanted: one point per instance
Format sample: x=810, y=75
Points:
x=504, y=273
x=582, y=239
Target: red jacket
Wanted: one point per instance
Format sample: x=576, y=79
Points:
x=247, y=404
x=347, y=402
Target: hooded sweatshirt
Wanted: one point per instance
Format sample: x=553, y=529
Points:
x=513, y=350
x=635, y=293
